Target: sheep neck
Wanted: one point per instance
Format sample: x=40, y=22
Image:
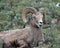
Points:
x=37, y=34
x=34, y=29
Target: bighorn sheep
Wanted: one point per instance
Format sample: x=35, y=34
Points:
x=28, y=36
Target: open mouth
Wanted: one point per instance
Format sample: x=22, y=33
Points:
x=39, y=25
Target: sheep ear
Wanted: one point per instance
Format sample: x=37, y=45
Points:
x=43, y=12
x=44, y=17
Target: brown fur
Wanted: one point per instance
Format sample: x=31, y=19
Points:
x=27, y=37
x=19, y=34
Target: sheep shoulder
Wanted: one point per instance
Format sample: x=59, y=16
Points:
x=18, y=34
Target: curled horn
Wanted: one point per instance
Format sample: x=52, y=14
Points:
x=26, y=11
x=42, y=10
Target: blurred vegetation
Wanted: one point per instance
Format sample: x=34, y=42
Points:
x=10, y=17
x=11, y=10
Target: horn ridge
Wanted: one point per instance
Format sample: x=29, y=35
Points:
x=26, y=11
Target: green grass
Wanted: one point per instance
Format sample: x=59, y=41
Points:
x=54, y=36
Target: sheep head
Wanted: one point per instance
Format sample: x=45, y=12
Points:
x=36, y=19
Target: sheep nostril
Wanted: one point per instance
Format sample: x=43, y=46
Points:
x=41, y=22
